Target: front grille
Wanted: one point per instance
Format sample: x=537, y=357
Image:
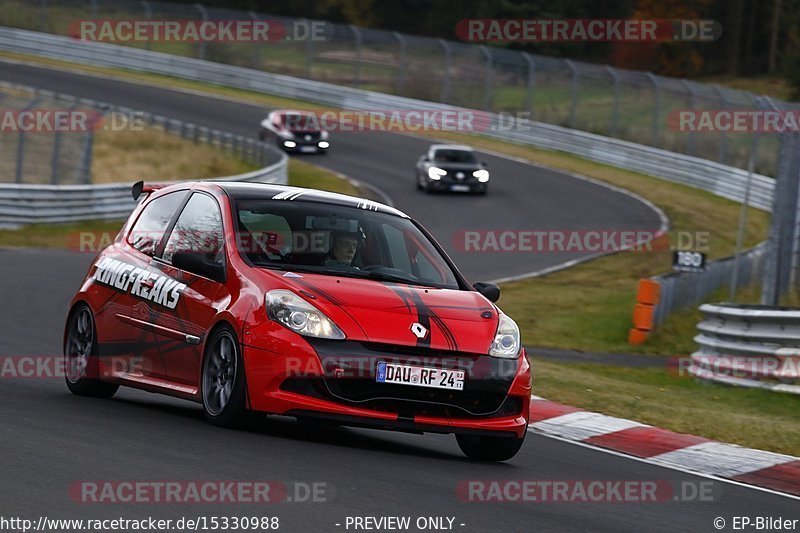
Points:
x=349, y=377
x=405, y=407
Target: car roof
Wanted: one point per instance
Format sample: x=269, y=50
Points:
x=292, y=112
x=451, y=147
x=240, y=189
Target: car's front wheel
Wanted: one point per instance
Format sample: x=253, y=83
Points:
x=484, y=448
x=82, y=368
x=223, y=383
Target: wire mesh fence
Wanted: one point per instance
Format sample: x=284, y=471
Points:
x=30, y=154
x=32, y=151
x=630, y=105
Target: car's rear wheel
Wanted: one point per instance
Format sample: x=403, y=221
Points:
x=82, y=367
x=223, y=382
x=484, y=448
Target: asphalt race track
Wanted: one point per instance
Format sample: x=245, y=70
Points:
x=51, y=440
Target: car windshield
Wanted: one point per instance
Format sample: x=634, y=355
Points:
x=454, y=156
x=301, y=122
x=338, y=240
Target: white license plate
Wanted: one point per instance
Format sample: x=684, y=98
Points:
x=306, y=149
x=460, y=188
x=420, y=376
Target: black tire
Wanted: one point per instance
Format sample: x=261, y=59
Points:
x=222, y=382
x=482, y=448
x=82, y=367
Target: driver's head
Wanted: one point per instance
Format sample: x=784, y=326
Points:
x=344, y=247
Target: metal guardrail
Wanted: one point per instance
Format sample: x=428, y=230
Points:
x=749, y=346
x=22, y=204
x=36, y=204
x=680, y=290
x=722, y=180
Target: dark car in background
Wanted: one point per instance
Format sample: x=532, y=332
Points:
x=295, y=132
x=449, y=167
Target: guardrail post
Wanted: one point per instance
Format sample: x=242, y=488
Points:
x=574, y=92
x=615, y=108
x=43, y=16
x=148, y=14
x=743, y=219
x=690, y=133
x=488, y=78
x=85, y=169
x=255, y=57
x=784, y=212
x=655, y=133
x=309, y=49
x=445, y=94
x=531, y=85
x=19, y=171
x=201, y=45
x=54, y=160
x=359, y=46
x=400, y=77
x=722, y=154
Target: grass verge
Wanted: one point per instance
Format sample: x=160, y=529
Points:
x=120, y=156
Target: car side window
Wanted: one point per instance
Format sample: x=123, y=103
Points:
x=197, y=230
x=149, y=228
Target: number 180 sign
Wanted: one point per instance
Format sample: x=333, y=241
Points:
x=688, y=261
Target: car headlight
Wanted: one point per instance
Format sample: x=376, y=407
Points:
x=289, y=144
x=324, y=144
x=506, y=341
x=293, y=312
x=436, y=173
x=482, y=175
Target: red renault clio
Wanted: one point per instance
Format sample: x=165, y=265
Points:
x=261, y=298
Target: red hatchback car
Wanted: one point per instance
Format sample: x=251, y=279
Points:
x=280, y=300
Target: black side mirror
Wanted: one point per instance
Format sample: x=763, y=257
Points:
x=491, y=291
x=199, y=263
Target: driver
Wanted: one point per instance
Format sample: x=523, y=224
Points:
x=344, y=249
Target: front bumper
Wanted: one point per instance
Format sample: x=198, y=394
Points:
x=455, y=185
x=307, y=147
x=335, y=381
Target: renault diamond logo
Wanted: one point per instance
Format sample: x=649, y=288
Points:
x=419, y=330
